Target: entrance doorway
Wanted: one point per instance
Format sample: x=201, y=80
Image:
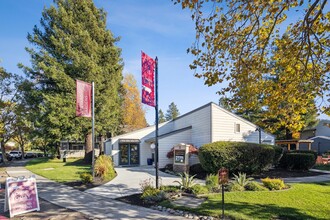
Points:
x=129, y=154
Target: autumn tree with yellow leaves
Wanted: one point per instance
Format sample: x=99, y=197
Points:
x=133, y=112
x=274, y=56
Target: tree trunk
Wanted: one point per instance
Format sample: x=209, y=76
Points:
x=101, y=145
x=88, y=148
x=4, y=158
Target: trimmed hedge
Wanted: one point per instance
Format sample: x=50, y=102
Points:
x=297, y=161
x=236, y=156
x=305, y=152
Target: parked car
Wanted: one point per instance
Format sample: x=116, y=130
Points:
x=40, y=155
x=30, y=155
x=8, y=156
x=16, y=154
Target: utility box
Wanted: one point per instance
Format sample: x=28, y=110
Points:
x=181, y=158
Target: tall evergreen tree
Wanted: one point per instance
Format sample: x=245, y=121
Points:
x=72, y=43
x=133, y=112
x=161, y=116
x=172, y=112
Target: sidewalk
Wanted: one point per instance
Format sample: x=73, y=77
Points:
x=128, y=180
x=86, y=203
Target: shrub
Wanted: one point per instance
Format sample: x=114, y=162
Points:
x=86, y=178
x=234, y=187
x=104, y=168
x=255, y=186
x=306, y=152
x=297, y=161
x=236, y=156
x=212, y=183
x=273, y=184
x=186, y=181
x=241, y=179
x=150, y=194
x=199, y=189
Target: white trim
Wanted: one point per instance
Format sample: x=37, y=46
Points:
x=322, y=137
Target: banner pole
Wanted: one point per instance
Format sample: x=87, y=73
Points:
x=93, y=129
x=156, y=114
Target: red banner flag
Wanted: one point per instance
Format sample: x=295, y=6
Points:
x=83, y=99
x=148, y=85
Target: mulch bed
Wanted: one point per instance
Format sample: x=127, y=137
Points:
x=280, y=173
x=82, y=187
x=134, y=200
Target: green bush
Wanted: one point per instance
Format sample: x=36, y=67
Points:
x=186, y=181
x=255, y=186
x=150, y=194
x=273, y=184
x=236, y=156
x=212, y=183
x=297, y=161
x=305, y=152
x=241, y=179
x=104, y=168
x=199, y=189
x=235, y=187
x=86, y=178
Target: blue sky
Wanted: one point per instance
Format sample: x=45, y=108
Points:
x=159, y=28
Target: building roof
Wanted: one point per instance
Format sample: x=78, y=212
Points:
x=322, y=137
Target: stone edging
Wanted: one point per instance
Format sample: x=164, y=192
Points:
x=185, y=214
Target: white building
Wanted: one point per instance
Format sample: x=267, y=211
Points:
x=205, y=124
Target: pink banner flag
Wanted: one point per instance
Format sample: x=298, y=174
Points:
x=83, y=99
x=148, y=85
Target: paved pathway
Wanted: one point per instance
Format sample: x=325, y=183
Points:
x=87, y=203
x=128, y=181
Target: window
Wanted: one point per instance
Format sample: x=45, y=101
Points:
x=237, y=128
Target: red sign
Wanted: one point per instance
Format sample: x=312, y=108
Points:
x=21, y=196
x=148, y=85
x=223, y=176
x=83, y=99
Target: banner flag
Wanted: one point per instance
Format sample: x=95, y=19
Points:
x=148, y=84
x=83, y=99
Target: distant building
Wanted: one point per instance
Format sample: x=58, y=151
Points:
x=320, y=134
x=205, y=124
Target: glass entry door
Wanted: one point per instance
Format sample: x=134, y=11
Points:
x=129, y=154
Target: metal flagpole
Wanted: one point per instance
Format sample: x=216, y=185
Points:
x=93, y=129
x=156, y=113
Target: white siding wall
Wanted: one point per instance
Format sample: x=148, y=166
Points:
x=223, y=128
x=166, y=143
x=201, y=128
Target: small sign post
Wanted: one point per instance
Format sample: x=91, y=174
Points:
x=223, y=175
x=21, y=196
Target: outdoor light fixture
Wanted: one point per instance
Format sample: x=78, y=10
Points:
x=152, y=146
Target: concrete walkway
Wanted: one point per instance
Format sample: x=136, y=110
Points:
x=128, y=181
x=87, y=203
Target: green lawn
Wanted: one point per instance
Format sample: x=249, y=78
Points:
x=57, y=170
x=302, y=201
x=322, y=167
